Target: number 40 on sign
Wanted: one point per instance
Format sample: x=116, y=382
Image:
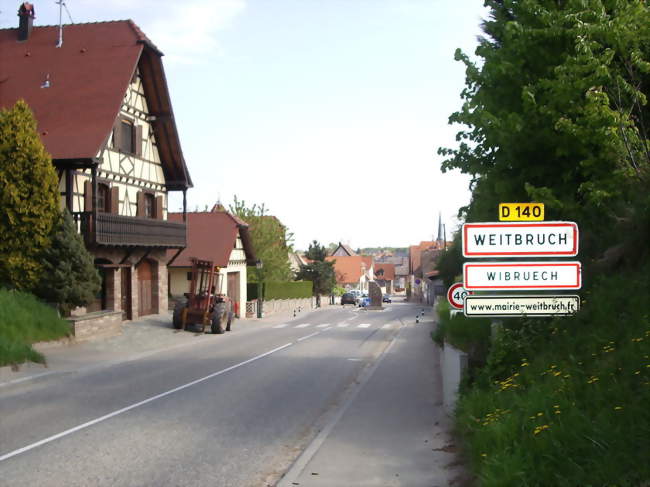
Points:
x=456, y=295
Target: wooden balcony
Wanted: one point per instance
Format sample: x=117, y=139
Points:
x=127, y=231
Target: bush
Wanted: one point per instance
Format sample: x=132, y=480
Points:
x=25, y=320
x=287, y=290
x=282, y=290
x=471, y=335
x=564, y=402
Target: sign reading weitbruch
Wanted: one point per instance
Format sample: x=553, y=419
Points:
x=522, y=239
x=521, y=233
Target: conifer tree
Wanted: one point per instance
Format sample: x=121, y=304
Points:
x=69, y=277
x=29, y=198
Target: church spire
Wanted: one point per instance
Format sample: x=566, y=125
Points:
x=441, y=236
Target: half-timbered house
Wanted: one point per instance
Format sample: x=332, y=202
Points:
x=104, y=113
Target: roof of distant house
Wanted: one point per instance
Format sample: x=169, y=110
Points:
x=347, y=268
x=388, y=273
x=211, y=236
x=343, y=250
x=76, y=90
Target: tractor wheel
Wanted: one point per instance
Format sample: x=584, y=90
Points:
x=219, y=318
x=177, y=319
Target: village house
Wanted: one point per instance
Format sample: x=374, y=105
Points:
x=343, y=250
x=219, y=237
x=104, y=113
x=353, y=272
x=385, y=276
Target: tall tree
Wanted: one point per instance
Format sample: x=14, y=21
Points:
x=557, y=112
x=69, y=277
x=320, y=272
x=29, y=198
x=316, y=251
x=271, y=242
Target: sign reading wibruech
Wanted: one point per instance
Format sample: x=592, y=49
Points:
x=520, y=239
x=504, y=306
x=485, y=276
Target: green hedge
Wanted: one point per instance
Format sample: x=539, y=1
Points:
x=288, y=290
x=282, y=290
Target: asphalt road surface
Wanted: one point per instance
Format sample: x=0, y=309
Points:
x=232, y=410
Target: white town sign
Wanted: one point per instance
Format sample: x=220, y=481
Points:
x=485, y=276
x=502, y=306
x=520, y=239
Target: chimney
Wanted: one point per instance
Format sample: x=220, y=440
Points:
x=26, y=13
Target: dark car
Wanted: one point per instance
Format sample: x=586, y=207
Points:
x=348, y=298
x=386, y=298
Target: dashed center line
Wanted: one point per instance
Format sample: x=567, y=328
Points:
x=343, y=325
x=323, y=326
x=280, y=326
x=387, y=325
x=304, y=325
x=364, y=325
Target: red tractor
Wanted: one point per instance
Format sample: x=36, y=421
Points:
x=203, y=306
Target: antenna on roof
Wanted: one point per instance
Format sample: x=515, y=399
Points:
x=62, y=6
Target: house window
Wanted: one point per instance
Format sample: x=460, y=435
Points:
x=103, y=198
x=127, y=137
x=149, y=205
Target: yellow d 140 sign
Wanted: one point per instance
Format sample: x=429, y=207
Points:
x=517, y=212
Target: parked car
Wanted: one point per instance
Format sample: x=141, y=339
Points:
x=363, y=301
x=348, y=298
x=386, y=298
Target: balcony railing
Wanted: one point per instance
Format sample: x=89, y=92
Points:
x=128, y=231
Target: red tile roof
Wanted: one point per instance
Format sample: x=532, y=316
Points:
x=88, y=77
x=211, y=236
x=388, y=274
x=347, y=268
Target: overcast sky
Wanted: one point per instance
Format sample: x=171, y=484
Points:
x=329, y=112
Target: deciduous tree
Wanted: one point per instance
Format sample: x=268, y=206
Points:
x=270, y=239
x=556, y=111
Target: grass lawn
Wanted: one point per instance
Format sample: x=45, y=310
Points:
x=564, y=402
x=25, y=320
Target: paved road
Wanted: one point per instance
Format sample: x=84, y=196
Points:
x=233, y=410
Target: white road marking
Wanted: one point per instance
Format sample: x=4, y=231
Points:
x=304, y=325
x=364, y=325
x=323, y=326
x=280, y=326
x=343, y=325
x=308, y=336
x=355, y=359
x=387, y=325
x=67, y=432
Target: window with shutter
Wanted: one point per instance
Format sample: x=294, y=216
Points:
x=103, y=198
x=149, y=205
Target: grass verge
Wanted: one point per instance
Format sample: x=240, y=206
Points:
x=25, y=320
x=564, y=402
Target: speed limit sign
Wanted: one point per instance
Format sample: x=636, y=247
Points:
x=456, y=295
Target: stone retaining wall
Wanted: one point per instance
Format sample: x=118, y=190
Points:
x=99, y=324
